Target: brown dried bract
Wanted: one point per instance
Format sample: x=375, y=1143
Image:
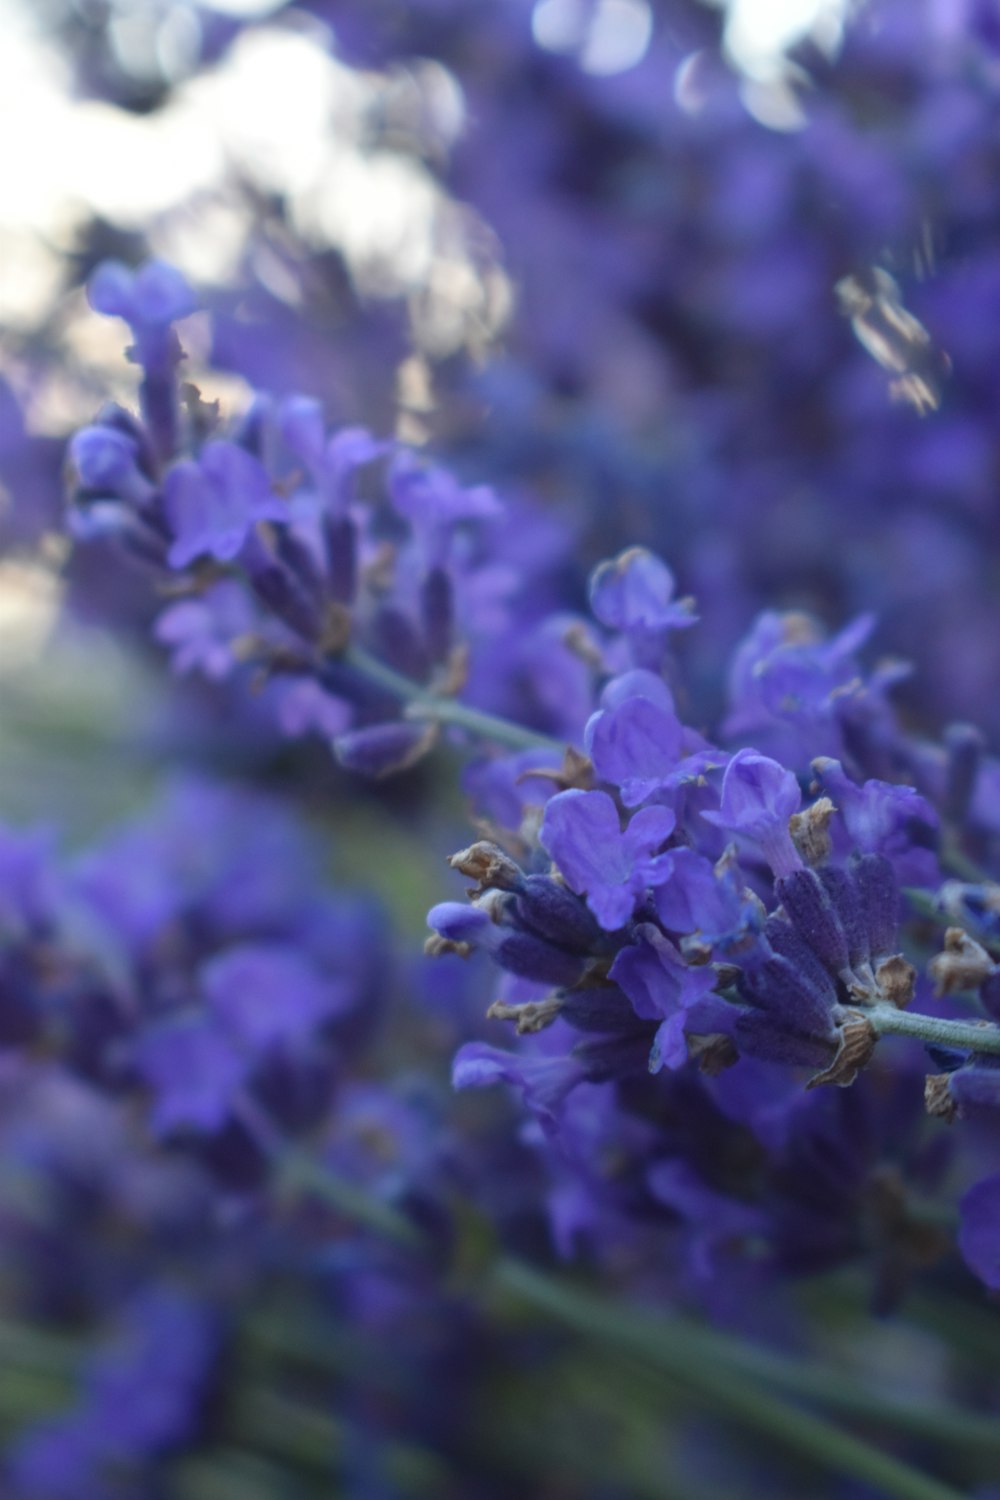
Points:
x=857, y=1043
x=810, y=831
x=896, y=980
x=963, y=965
x=937, y=1097
x=532, y=1016
x=578, y=639
x=436, y=945
x=335, y=636
x=487, y=865
x=713, y=1053
x=576, y=771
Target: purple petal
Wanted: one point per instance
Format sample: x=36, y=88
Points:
x=979, y=1230
x=265, y=994
x=635, y=746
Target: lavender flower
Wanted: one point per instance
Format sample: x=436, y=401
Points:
x=213, y=504
x=758, y=798
x=612, y=868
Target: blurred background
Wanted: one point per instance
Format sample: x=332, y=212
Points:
x=405, y=210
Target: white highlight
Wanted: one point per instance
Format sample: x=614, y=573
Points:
x=760, y=32
x=606, y=36
x=758, y=37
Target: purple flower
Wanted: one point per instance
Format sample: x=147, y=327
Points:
x=883, y=818
x=503, y=788
x=264, y=995
x=515, y=948
x=635, y=592
x=332, y=462
x=662, y=987
x=142, y=1393
x=979, y=1230
x=544, y=1082
x=213, y=504
x=636, y=747
x=758, y=798
x=612, y=868
x=384, y=749
x=149, y=299
x=193, y=1072
x=143, y=1389
x=303, y=707
x=794, y=692
x=107, y=463
x=704, y=900
x=715, y=1221
x=789, y=1017
x=435, y=503
x=201, y=632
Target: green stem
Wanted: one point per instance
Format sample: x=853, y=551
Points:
x=955, y=859
x=435, y=709
x=811, y=1436
x=723, y=1371
x=301, y=1170
x=969, y=1036
x=926, y=905
x=845, y=1394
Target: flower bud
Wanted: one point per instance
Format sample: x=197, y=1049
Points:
x=758, y=798
x=382, y=749
x=813, y=914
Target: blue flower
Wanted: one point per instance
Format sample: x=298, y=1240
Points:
x=266, y=994
x=107, y=464
x=611, y=867
x=662, y=987
x=758, y=798
x=213, y=504
x=194, y=1073
x=635, y=592
x=149, y=299
x=543, y=1081
x=979, y=1230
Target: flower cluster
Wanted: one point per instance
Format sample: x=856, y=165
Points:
x=340, y=597
x=194, y=960
x=659, y=905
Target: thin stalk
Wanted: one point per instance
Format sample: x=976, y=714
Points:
x=955, y=859
x=926, y=905
x=802, y=1432
x=845, y=1394
x=24, y=1347
x=286, y=1429
x=302, y=1170
x=711, y=1365
x=422, y=704
x=970, y=1036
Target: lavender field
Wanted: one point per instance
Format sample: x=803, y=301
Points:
x=500, y=750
